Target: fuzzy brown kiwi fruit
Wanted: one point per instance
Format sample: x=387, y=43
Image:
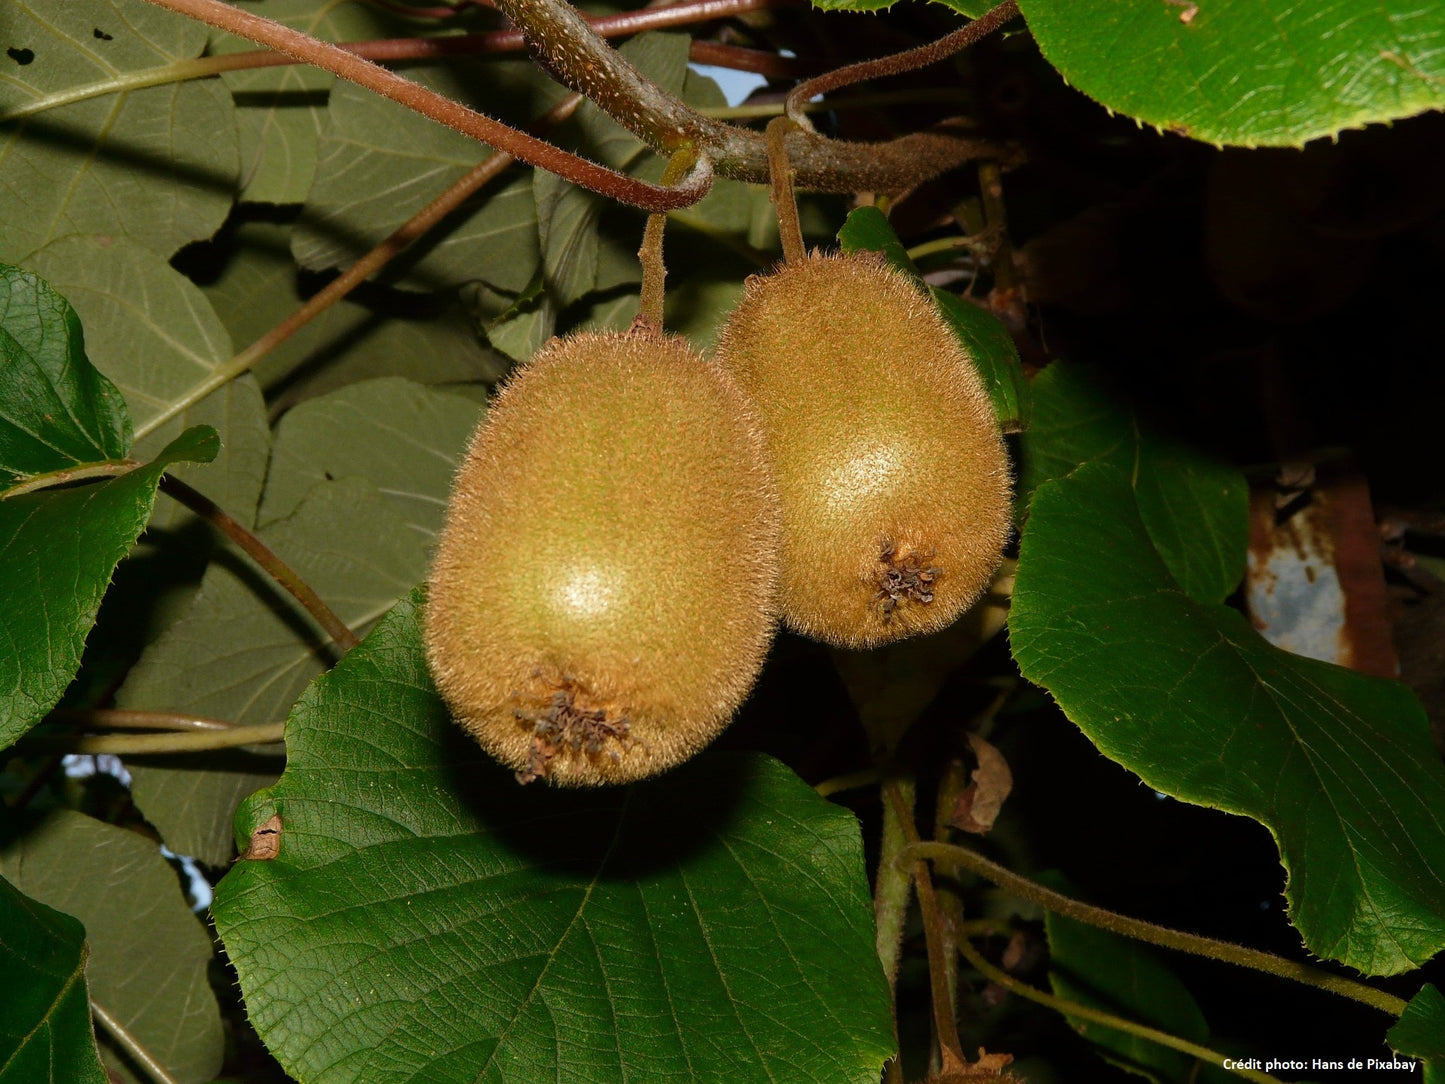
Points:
x=602, y=594
x=893, y=474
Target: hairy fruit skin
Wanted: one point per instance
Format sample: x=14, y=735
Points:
x=889, y=460
x=603, y=591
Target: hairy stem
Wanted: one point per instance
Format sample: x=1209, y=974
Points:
x=438, y=107
x=939, y=971
x=1148, y=931
x=780, y=171
x=906, y=61
x=866, y=778
x=397, y=50
x=147, y=1061
x=654, y=270
x=262, y=554
x=415, y=227
x=574, y=53
x=1086, y=1012
x=138, y=744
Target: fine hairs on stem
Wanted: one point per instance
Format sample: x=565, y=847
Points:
x=654, y=270
x=527, y=148
x=785, y=203
x=898, y=63
x=1073, y=1009
x=1148, y=931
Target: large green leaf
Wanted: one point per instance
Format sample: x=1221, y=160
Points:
x=151, y=330
x=1339, y=766
x=426, y=918
x=281, y=112
x=245, y=650
x=45, y=1030
x=404, y=437
x=257, y=288
x=149, y=954
x=380, y=163
x=156, y=165
x=56, y=409
x=58, y=549
x=1242, y=72
x=1196, y=509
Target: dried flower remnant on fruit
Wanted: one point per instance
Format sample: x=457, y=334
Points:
x=904, y=579
x=562, y=726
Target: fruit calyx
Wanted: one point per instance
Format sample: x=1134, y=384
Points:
x=565, y=726
x=904, y=579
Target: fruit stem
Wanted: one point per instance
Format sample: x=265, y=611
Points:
x=949, y=1046
x=898, y=63
x=1085, y=1012
x=1148, y=931
x=262, y=554
x=654, y=270
x=416, y=226
x=780, y=171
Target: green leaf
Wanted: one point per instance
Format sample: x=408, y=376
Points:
x=281, y=112
x=867, y=229
x=710, y=925
x=381, y=163
x=154, y=333
x=157, y=165
x=1420, y=1031
x=972, y=8
x=56, y=409
x=58, y=549
x=567, y=228
x=853, y=5
x=993, y=351
x=1195, y=508
x=45, y=1031
x=1236, y=71
x=1338, y=766
x=984, y=339
x=404, y=437
x=245, y=650
x=149, y=954
x=1121, y=976
x=257, y=289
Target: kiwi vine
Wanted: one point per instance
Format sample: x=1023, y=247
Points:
x=903, y=607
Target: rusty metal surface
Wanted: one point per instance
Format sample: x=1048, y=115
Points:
x=1315, y=584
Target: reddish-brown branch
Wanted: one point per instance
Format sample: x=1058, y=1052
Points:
x=263, y=555
x=906, y=61
x=363, y=72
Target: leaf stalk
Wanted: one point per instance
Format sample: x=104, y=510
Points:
x=1140, y=930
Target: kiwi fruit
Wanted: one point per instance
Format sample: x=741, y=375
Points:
x=602, y=594
x=893, y=474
